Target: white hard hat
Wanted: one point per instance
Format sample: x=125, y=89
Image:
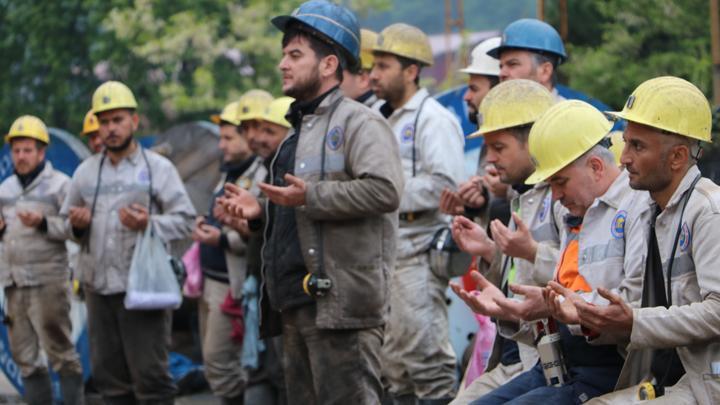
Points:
x=481, y=63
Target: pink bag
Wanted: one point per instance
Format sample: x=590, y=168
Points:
x=484, y=340
x=194, y=281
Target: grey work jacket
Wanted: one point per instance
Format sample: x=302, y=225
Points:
x=235, y=254
x=692, y=323
x=105, y=256
x=439, y=164
x=611, y=226
x=31, y=257
x=348, y=225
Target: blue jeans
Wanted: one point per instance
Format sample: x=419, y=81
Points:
x=530, y=387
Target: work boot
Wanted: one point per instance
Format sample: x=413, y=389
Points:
x=38, y=390
x=71, y=387
x=238, y=400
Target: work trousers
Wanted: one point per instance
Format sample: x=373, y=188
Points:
x=530, y=387
x=39, y=318
x=329, y=366
x=221, y=354
x=129, y=351
x=418, y=359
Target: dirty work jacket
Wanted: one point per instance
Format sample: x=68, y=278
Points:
x=348, y=225
x=439, y=163
x=692, y=323
x=31, y=257
x=104, y=262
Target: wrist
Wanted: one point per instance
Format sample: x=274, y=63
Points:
x=488, y=254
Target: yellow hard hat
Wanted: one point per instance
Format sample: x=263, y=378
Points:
x=229, y=114
x=90, y=123
x=671, y=104
x=564, y=133
x=252, y=104
x=28, y=126
x=275, y=111
x=111, y=96
x=367, y=42
x=406, y=41
x=512, y=103
x=617, y=145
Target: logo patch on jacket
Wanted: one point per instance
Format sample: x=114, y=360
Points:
x=545, y=209
x=407, y=133
x=334, y=138
x=143, y=176
x=617, y=228
x=685, y=237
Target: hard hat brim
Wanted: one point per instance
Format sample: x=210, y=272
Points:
x=280, y=22
x=472, y=71
x=476, y=134
x=495, y=52
x=215, y=119
x=539, y=176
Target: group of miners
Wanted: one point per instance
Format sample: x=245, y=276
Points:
x=594, y=260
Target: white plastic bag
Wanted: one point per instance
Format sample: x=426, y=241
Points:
x=151, y=281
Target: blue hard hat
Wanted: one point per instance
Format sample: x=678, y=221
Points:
x=533, y=35
x=337, y=23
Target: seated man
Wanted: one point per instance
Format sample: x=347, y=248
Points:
x=571, y=153
x=678, y=320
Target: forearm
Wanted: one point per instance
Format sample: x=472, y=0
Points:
x=358, y=198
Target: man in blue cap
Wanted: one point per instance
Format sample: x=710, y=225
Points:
x=330, y=216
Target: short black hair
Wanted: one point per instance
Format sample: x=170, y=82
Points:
x=407, y=62
x=319, y=43
x=521, y=132
x=494, y=80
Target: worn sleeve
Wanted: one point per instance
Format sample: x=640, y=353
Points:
x=56, y=224
x=694, y=323
x=73, y=198
x=376, y=177
x=441, y=157
x=175, y=220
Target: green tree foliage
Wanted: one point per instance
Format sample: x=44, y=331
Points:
x=614, y=45
x=184, y=59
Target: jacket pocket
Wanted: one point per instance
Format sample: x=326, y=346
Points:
x=361, y=291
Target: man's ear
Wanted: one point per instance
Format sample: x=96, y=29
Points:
x=329, y=65
x=135, y=121
x=545, y=72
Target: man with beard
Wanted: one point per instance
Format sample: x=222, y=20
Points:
x=108, y=204
x=419, y=362
x=331, y=216
x=356, y=82
x=35, y=267
x=223, y=262
x=673, y=335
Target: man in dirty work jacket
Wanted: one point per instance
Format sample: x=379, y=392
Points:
x=113, y=196
x=330, y=222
